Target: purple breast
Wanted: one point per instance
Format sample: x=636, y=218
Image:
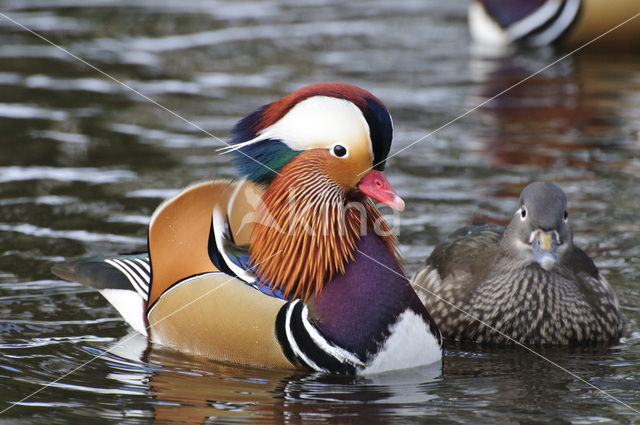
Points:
x=356, y=309
x=508, y=12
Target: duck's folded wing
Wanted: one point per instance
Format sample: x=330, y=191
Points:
x=189, y=292
x=465, y=254
x=234, y=259
x=230, y=237
x=179, y=234
x=203, y=298
x=467, y=251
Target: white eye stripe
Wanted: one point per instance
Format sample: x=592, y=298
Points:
x=319, y=120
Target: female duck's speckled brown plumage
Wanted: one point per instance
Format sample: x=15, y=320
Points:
x=529, y=281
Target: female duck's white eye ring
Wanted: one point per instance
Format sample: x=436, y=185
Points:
x=523, y=213
x=338, y=151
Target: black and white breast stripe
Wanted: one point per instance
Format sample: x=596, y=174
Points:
x=136, y=270
x=303, y=343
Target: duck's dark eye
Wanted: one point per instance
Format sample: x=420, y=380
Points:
x=339, y=151
x=523, y=212
x=566, y=215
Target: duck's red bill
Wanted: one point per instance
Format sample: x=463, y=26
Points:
x=376, y=186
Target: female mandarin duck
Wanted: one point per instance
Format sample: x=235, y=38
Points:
x=566, y=23
x=292, y=267
x=529, y=281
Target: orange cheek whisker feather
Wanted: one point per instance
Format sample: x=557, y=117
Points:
x=316, y=224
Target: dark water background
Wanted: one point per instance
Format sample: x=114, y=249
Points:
x=84, y=161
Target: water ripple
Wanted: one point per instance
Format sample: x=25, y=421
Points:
x=24, y=111
x=95, y=85
x=39, y=200
x=88, y=175
x=40, y=342
x=79, y=235
x=256, y=32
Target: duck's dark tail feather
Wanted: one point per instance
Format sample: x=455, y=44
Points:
x=124, y=281
x=132, y=272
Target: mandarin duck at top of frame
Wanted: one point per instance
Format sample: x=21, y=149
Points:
x=567, y=24
x=291, y=267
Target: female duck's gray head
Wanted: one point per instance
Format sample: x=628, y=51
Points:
x=539, y=230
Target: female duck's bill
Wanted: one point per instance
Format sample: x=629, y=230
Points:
x=245, y=272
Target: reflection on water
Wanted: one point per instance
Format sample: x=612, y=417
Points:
x=187, y=388
x=560, y=118
x=84, y=161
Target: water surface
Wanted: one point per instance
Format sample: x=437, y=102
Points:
x=85, y=159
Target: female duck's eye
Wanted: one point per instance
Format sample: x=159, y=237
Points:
x=523, y=212
x=339, y=151
x=566, y=215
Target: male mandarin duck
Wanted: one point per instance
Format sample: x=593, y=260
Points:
x=291, y=267
x=566, y=23
x=529, y=281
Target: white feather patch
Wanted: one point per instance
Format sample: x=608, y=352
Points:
x=484, y=29
x=218, y=227
x=410, y=344
x=130, y=305
x=317, y=122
